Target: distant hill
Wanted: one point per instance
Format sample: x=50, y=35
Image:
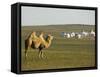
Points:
x=60, y=28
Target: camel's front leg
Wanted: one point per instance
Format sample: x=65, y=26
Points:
x=39, y=54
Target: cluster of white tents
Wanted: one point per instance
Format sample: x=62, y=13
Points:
x=78, y=35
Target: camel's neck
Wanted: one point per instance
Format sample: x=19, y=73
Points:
x=47, y=43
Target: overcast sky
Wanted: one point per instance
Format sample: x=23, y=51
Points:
x=47, y=16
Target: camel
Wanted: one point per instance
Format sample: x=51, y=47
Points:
x=35, y=42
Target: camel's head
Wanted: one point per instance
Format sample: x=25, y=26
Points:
x=49, y=37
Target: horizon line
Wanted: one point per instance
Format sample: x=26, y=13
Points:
x=57, y=24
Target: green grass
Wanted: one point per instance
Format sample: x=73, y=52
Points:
x=63, y=53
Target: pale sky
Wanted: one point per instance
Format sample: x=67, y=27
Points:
x=46, y=16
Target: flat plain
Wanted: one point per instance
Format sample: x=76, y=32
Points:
x=63, y=52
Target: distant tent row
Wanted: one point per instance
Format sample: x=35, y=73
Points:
x=78, y=35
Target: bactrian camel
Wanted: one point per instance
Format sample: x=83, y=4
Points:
x=37, y=42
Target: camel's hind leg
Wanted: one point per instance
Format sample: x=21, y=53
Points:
x=26, y=52
x=26, y=48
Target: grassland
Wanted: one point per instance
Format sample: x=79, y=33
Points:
x=63, y=53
